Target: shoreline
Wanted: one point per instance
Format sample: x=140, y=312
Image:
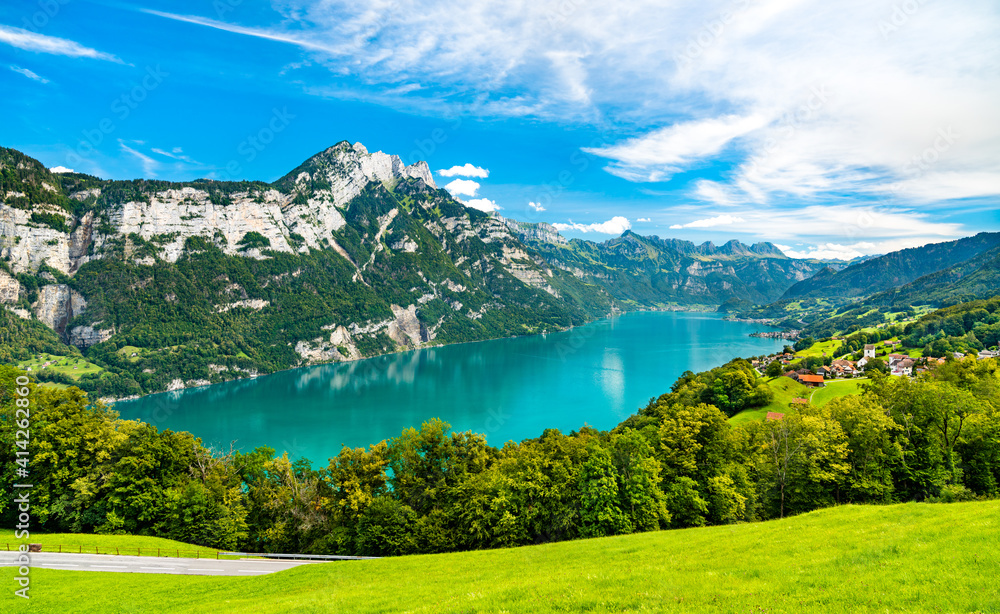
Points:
x=111, y=401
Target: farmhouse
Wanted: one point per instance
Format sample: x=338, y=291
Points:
x=811, y=380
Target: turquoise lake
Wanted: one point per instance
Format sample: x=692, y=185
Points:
x=506, y=389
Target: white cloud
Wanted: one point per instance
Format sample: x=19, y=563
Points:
x=615, y=226
x=643, y=219
x=466, y=170
x=32, y=41
x=711, y=222
x=61, y=169
x=838, y=251
x=29, y=74
x=864, y=229
x=483, y=204
x=465, y=187
x=536, y=207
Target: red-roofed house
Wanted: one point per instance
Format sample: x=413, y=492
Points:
x=773, y=415
x=811, y=380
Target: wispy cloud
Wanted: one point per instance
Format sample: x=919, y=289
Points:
x=711, y=222
x=40, y=43
x=149, y=165
x=615, y=226
x=658, y=155
x=790, y=98
x=177, y=153
x=536, y=207
x=466, y=170
x=29, y=74
x=853, y=224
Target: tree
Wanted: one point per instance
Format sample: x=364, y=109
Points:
x=687, y=508
x=775, y=369
x=638, y=481
x=600, y=505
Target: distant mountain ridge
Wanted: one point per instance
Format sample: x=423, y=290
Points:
x=892, y=270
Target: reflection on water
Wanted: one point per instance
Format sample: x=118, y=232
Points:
x=506, y=389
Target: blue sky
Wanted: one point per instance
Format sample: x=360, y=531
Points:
x=830, y=129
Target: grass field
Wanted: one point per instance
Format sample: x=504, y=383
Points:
x=104, y=544
x=914, y=557
x=836, y=388
x=821, y=348
x=71, y=366
x=785, y=389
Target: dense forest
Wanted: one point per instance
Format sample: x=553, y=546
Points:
x=676, y=463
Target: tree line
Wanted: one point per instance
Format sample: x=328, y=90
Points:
x=677, y=462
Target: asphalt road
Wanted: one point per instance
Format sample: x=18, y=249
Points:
x=149, y=564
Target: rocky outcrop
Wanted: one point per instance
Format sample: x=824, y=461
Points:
x=86, y=336
x=406, y=329
x=10, y=288
x=57, y=304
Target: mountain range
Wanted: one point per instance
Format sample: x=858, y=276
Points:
x=352, y=254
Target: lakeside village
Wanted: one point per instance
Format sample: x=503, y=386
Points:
x=814, y=370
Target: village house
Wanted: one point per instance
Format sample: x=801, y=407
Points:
x=812, y=381
x=987, y=354
x=903, y=367
x=844, y=368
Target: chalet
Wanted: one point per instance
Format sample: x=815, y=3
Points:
x=773, y=415
x=870, y=351
x=811, y=380
x=826, y=372
x=799, y=401
x=891, y=343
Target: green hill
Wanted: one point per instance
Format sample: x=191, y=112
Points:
x=902, y=558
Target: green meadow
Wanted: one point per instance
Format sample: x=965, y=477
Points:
x=913, y=557
x=785, y=389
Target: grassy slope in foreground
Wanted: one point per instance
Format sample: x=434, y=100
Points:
x=900, y=558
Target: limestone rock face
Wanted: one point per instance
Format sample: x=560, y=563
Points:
x=10, y=288
x=86, y=336
x=57, y=304
x=406, y=329
x=173, y=215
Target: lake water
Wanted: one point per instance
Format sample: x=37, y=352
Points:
x=507, y=389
